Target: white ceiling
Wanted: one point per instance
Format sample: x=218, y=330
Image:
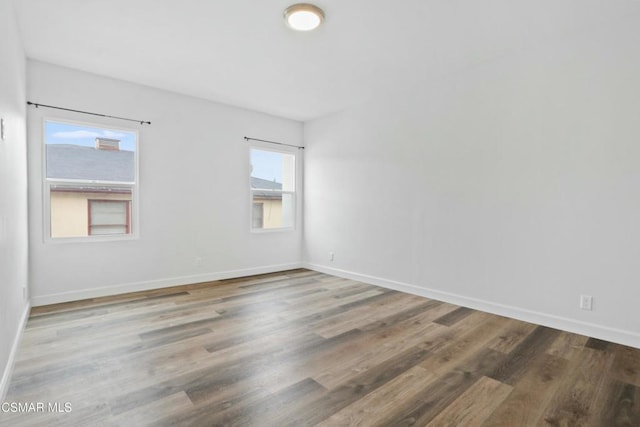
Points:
x=241, y=53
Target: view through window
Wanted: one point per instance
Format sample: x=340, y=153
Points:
x=90, y=179
x=272, y=189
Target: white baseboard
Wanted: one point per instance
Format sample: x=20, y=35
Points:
x=157, y=284
x=8, y=369
x=619, y=336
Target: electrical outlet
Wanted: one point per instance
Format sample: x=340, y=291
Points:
x=2, y=129
x=198, y=261
x=24, y=292
x=331, y=255
x=586, y=302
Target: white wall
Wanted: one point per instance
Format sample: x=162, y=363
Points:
x=194, y=191
x=13, y=192
x=513, y=186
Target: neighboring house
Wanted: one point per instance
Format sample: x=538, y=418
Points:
x=81, y=206
x=267, y=205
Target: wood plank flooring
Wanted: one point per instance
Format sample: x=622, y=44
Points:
x=301, y=348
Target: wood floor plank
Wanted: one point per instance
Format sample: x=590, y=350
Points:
x=531, y=395
x=462, y=342
x=208, y=380
x=438, y=395
x=620, y=406
x=267, y=410
x=474, y=405
x=597, y=344
x=354, y=389
x=382, y=401
x=520, y=358
x=453, y=317
x=626, y=365
x=155, y=412
x=512, y=337
x=567, y=345
x=573, y=403
x=380, y=348
x=304, y=348
x=360, y=318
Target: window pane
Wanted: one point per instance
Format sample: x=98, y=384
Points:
x=272, y=186
x=70, y=209
x=89, y=153
x=272, y=170
x=85, y=165
x=288, y=210
x=277, y=209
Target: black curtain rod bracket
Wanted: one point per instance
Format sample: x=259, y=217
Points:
x=142, y=122
x=246, y=138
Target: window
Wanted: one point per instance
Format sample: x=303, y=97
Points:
x=90, y=180
x=109, y=217
x=272, y=189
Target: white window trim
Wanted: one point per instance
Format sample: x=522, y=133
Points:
x=296, y=186
x=46, y=187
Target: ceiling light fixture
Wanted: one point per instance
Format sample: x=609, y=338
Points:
x=303, y=17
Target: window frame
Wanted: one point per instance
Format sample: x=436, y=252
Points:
x=47, y=184
x=294, y=194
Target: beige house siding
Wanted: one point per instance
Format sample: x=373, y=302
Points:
x=271, y=212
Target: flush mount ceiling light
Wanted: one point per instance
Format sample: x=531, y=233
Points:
x=303, y=17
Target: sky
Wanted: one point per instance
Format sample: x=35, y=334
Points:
x=65, y=133
x=266, y=165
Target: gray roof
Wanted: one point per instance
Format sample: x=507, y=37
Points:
x=265, y=184
x=67, y=161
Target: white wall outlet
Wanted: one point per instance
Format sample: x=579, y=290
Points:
x=24, y=292
x=1, y=129
x=586, y=302
x=331, y=255
x=198, y=261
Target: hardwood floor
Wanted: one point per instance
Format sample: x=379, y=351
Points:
x=302, y=348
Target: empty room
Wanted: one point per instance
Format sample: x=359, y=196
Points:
x=269, y=213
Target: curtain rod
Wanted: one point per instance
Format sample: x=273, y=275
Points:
x=142, y=122
x=246, y=138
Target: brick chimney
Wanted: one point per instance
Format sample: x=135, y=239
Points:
x=107, y=144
